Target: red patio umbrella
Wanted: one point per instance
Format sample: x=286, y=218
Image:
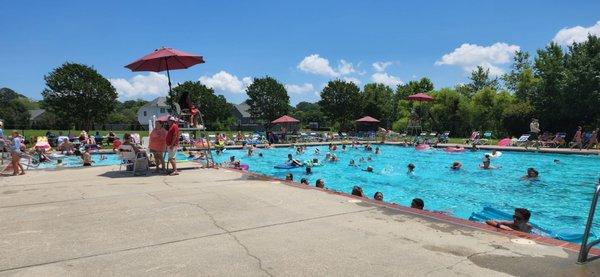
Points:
x=285, y=119
x=422, y=97
x=367, y=119
x=165, y=59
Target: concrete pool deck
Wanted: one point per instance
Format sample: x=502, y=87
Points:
x=94, y=221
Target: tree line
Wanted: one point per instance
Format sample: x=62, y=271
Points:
x=559, y=86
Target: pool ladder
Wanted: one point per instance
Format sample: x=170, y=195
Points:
x=585, y=246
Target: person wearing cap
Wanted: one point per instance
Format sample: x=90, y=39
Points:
x=172, y=141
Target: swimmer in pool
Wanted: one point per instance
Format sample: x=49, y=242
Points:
x=369, y=169
x=103, y=157
x=378, y=196
x=417, y=203
x=369, y=159
x=556, y=161
x=411, y=168
x=250, y=151
x=361, y=160
x=352, y=163
x=520, y=222
x=304, y=181
x=532, y=174
x=317, y=151
x=333, y=158
x=486, y=163
x=308, y=170
x=320, y=183
x=377, y=150
x=344, y=148
x=292, y=161
x=260, y=155
x=289, y=177
x=456, y=165
x=357, y=191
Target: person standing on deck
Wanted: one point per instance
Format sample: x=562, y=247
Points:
x=534, y=130
x=172, y=143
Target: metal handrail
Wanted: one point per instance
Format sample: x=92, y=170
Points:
x=585, y=246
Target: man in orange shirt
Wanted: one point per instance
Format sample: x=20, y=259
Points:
x=173, y=142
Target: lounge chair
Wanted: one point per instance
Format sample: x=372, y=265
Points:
x=128, y=157
x=474, y=138
x=487, y=136
x=135, y=138
x=445, y=137
x=145, y=142
x=523, y=140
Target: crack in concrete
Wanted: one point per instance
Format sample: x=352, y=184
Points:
x=225, y=230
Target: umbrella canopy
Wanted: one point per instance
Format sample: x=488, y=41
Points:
x=423, y=97
x=504, y=142
x=367, y=119
x=285, y=119
x=165, y=59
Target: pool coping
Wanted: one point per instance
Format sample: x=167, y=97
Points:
x=569, y=246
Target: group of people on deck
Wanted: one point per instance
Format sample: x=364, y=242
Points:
x=164, y=141
x=580, y=139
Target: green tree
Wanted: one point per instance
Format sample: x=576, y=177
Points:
x=14, y=109
x=268, y=99
x=521, y=79
x=548, y=99
x=378, y=102
x=309, y=112
x=480, y=78
x=451, y=111
x=216, y=112
x=516, y=118
x=342, y=102
x=79, y=94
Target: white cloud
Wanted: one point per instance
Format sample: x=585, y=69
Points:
x=317, y=65
x=352, y=79
x=299, y=89
x=381, y=66
x=153, y=84
x=345, y=68
x=469, y=56
x=225, y=82
x=386, y=79
x=567, y=36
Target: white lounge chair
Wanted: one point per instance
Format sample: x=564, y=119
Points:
x=128, y=157
x=522, y=140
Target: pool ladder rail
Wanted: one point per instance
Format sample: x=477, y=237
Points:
x=585, y=246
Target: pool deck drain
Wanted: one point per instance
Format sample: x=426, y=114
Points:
x=95, y=221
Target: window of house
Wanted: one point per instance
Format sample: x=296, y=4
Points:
x=145, y=113
x=162, y=110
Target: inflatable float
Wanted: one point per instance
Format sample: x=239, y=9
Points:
x=311, y=164
x=566, y=234
x=497, y=155
x=421, y=147
x=454, y=149
x=286, y=166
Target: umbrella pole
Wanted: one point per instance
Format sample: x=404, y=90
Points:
x=168, y=76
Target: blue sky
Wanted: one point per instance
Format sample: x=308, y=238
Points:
x=303, y=44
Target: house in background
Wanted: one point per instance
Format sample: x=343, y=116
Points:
x=243, y=120
x=35, y=116
x=156, y=107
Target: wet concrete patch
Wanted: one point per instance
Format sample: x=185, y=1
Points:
x=536, y=266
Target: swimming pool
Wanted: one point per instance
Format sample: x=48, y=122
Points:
x=560, y=199
x=75, y=161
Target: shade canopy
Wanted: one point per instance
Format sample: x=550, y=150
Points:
x=423, y=97
x=285, y=119
x=165, y=59
x=367, y=119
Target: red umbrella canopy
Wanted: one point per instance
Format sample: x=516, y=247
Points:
x=165, y=59
x=420, y=97
x=367, y=119
x=285, y=119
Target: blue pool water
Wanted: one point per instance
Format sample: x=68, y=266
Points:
x=559, y=200
x=110, y=159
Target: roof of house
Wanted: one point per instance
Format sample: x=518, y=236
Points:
x=157, y=102
x=35, y=113
x=243, y=108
